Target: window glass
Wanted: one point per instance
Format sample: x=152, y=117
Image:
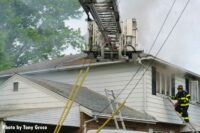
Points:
x=157, y=82
x=194, y=89
x=168, y=88
x=163, y=84
x=15, y=86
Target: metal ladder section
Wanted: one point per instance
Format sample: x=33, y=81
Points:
x=110, y=95
x=188, y=124
x=106, y=16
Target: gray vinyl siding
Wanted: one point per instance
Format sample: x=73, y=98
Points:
x=26, y=97
x=2, y=80
x=50, y=116
x=115, y=77
x=158, y=106
x=31, y=96
x=163, y=110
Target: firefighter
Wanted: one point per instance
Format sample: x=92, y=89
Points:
x=182, y=104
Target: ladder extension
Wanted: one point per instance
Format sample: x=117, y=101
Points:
x=110, y=95
x=106, y=16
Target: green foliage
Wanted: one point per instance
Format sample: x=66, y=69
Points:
x=5, y=63
x=34, y=30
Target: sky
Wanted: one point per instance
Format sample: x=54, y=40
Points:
x=182, y=47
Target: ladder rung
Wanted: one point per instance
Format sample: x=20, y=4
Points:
x=110, y=25
x=105, y=13
x=106, y=16
x=103, y=4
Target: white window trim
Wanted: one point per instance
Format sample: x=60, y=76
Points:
x=194, y=93
x=166, y=87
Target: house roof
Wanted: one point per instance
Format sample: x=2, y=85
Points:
x=91, y=100
x=77, y=61
x=150, y=57
x=62, y=63
x=49, y=64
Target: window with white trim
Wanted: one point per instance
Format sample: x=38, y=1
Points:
x=163, y=83
x=157, y=82
x=195, y=91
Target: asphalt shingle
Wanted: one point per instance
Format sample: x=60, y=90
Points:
x=90, y=99
x=49, y=64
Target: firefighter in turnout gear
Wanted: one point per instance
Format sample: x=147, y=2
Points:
x=182, y=104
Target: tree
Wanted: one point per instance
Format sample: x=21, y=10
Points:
x=5, y=63
x=35, y=29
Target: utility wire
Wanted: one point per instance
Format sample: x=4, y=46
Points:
x=156, y=54
x=138, y=70
x=161, y=28
x=150, y=51
x=163, y=44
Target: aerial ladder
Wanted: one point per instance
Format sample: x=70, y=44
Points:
x=106, y=16
x=107, y=40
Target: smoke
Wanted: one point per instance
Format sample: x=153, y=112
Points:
x=183, y=47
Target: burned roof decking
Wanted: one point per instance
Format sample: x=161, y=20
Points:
x=90, y=99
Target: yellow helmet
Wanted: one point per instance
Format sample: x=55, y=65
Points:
x=180, y=87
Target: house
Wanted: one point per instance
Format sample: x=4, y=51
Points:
x=35, y=95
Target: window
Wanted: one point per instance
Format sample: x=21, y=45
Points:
x=15, y=86
x=157, y=82
x=153, y=81
x=168, y=86
x=173, y=85
x=194, y=90
x=187, y=82
x=163, y=83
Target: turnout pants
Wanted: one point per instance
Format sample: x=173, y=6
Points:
x=183, y=111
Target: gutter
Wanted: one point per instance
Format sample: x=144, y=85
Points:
x=130, y=119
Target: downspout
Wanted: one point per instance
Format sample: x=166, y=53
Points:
x=88, y=121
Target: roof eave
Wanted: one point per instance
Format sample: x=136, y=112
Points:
x=150, y=57
x=62, y=68
x=105, y=116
